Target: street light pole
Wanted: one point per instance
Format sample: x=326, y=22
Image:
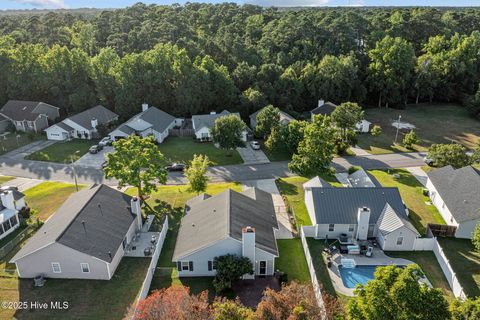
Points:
x=398, y=127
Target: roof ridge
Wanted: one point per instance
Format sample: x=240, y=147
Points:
x=80, y=210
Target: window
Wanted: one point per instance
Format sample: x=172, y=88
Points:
x=212, y=265
x=56, y=267
x=1, y=229
x=351, y=228
x=85, y=267
x=331, y=227
x=7, y=225
x=262, y=270
x=399, y=241
x=185, y=265
x=13, y=221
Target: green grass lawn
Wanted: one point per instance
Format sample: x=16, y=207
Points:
x=12, y=235
x=465, y=261
x=63, y=152
x=292, y=189
x=411, y=191
x=275, y=155
x=183, y=149
x=48, y=196
x=4, y=179
x=429, y=264
x=316, y=248
x=87, y=299
x=9, y=141
x=436, y=123
x=292, y=260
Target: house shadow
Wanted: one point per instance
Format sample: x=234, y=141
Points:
x=288, y=189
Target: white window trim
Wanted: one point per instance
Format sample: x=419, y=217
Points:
x=331, y=226
x=401, y=243
x=59, y=267
x=187, y=263
x=85, y=264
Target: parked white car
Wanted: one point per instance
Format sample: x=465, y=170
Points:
x=105, y=142
x=255, y=145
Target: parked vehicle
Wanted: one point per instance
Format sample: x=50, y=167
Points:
x=428, y=161
x=105, y=142
x=176, y=167
x=95, y=149
x=255, y=145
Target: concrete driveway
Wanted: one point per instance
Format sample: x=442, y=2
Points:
x=23, y=183
x=269, y=185
x=250, y=156
x=94, y=160
x=26, y=150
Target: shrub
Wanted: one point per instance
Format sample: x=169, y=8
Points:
x=376, y=130
x=410, y=139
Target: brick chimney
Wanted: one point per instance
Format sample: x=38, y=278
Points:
x=144, y=106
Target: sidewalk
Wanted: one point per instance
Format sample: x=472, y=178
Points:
x=359, y=151
x=23, y=183
x=268, y=185
x=419, y=174
x=22, y=152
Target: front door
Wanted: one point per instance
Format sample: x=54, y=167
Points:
x=263, y=268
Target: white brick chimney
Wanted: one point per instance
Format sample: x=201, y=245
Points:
x=144, y=106
x=94, y=123
x=7, y=199
x=213, y=112
x=363, y=219
x=321, y=102
x=248, y=248
x=136, y=208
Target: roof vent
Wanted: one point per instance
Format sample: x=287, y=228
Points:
x=193, y=224
x=110, y=254
x=84, y=227
x=100, y=208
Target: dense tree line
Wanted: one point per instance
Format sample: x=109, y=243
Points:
x=198, y=57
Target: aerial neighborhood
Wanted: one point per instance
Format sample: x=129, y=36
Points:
x=226, y=161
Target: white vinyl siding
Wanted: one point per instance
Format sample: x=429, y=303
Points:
x=56, y=267
x=85, y=267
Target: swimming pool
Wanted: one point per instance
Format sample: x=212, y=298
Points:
x=360, y=274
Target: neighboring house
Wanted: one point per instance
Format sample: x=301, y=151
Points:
x=151, y=121
x=12, y=201
x=456, y=194
x=84, y=239
x=204, y=122
x=285, y=118
x=326, y=109
x=236, y=223
x=360, y=214
x=28, y=116
x=83, y=125
x=359, y=178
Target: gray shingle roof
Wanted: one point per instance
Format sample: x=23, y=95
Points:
x=208, y=120
x=64, y=126
x=159, y=120
x=390, y=221
x=361, y=178
x=316, y=182
x=326, y=109
x=340, y=205
x=104, y=229
x=224, y=215
x=102, y=114
x=460, y=190
x=20, y=110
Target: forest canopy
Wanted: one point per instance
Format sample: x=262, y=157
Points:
x=202, y=57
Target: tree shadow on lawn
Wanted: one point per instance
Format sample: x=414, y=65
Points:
x=417, y=222
x=405, y=177
x=288, y=189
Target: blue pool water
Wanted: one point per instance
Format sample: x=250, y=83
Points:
x=360, y=274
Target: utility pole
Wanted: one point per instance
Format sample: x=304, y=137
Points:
x=398, y=127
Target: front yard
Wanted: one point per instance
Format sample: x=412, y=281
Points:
x=465, y=261
x=63, y=152
x=87, y=299
x=436, y=123
x=183, y=149
x=48, y=196
x=292, y=189
x=411, y=191
x=5, y=179
x=14, y=140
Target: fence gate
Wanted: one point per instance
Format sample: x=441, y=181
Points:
x=440, y=230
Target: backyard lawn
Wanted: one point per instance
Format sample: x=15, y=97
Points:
x=292, y=189
x=111, y=299
x=429, y=264
x=9, y=141
x=411, y=191
x=316, y=248
x=292, y=260
x=183, y=149
x=437, y=123
x=63, y=152
x=48, y=196
x=465, y=261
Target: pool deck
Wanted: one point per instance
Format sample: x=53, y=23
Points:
x=379, y=258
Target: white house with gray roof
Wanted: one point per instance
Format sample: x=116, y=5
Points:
x=456, y=194
x=11, y=202
x=204, y=122
x=84, y=239
x=360, y=213
x=151, y=121
x=83, y=125
x=231, y=222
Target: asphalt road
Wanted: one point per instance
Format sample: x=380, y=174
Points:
x=88, y=175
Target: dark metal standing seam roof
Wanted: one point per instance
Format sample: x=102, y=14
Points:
x=460, y=190
x=340, y=205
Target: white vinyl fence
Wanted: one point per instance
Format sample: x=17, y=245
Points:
x=448, y=271
x=313, y=275
x=153, y=263
x=424, y=244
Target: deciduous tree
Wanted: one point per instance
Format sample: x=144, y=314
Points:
x=267, y=119
x=229, y=269
x=452, y=154
x=196, y=173
x=227, y=132
x=346, y=116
